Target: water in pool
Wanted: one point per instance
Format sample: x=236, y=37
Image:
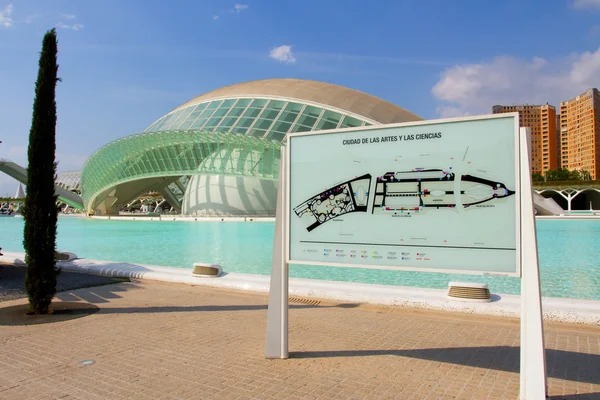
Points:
x=569, y=252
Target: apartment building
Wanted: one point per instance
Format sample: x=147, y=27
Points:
x=580, y=133
x=544, y=136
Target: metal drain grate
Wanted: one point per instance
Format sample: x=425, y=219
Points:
x=309, y=302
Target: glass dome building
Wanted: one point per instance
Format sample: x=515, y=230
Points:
x=218, y=154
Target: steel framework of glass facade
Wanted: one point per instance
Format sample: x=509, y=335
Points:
x=238, y=136
x=176, y=153
x=257, y=117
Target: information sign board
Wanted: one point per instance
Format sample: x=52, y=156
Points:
x=430, y=195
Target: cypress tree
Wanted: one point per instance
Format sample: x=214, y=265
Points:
x=40, y=210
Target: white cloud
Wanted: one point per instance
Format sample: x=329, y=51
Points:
x=75, y=27
x=6, y=20
x=68, y=16
x=240, y=7
x=475, y=88
x=215, y=17
x=283, y=54
x=586, y=3
x=30, y=18
x=451, y=112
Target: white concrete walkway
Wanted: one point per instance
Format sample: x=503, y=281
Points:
x=555, y=309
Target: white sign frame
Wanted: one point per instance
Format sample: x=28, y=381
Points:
x=287, y=171
x=533, y=375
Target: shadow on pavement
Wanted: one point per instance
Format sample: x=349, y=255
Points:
x=571, y=366
x=12, y=281
x=582, y=396
x=97, y=294
x=61, y=311
x=236, y=307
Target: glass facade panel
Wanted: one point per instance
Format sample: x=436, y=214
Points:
x=350, y=122
x=193, y=116
x=235, y=112
x=252, y=112
x=309, y=117
x=213, y=122
x=198, y=123
x=201, y=107
x=270, y=114
x=207, y=112
x=312, y=111
x=258, y=103
x=324, y=125
x=221, y=111
x=228, y=122
x=239, y=130
x=187, y=123
x=276, y=104
x=214, y=104
x=263, y=124
x=288, y=116
x=301, y=128
x=183, y=117
x=221, y=128
x=156, y=125
x=281, y=126
x=243, y=102
x=276, y=136
x=163, y=122
x=257, y=132
x=244, y=123
x=173, y=118
x=294, y=107
x=228, y=103
x=332, y=116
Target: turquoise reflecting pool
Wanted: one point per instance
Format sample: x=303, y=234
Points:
x=569, y=252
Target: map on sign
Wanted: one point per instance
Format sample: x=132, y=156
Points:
x=439, y=196
x=351, y=196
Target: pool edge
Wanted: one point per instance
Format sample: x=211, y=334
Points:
x=503, y=305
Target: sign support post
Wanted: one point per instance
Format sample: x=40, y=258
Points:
x=276, y=345
x=533, y=355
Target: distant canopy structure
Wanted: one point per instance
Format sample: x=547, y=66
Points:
x=70, y=180
x=218, y=154
x=20, y=193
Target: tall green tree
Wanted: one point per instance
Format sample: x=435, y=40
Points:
x=560, y=174
x=40, y=211
x=537, y=177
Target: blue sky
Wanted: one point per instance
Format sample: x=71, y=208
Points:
x=126, y=63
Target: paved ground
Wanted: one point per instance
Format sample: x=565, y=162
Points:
x=175, y=341
x=12, y=281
